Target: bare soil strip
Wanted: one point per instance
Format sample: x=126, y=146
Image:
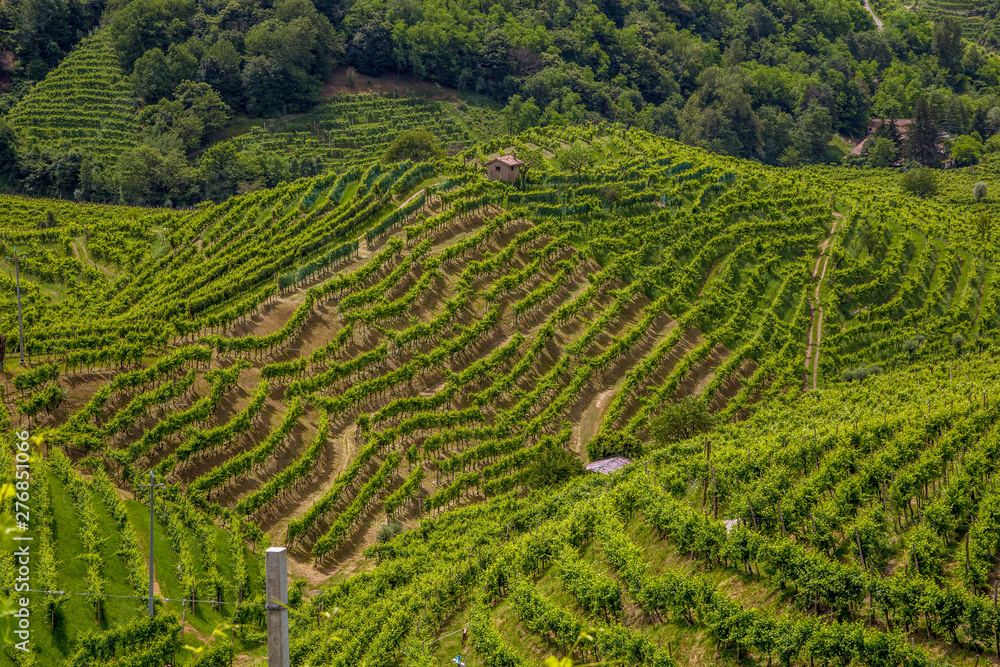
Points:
x=812, y=351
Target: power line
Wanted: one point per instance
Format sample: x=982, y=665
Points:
x=136, y=597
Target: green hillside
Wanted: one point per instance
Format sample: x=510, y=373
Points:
x=344, y=131
x=85, y=103
x=848, y=509
x=411, y=347
x=88, y=569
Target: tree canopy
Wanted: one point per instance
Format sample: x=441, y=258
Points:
x=415, y=145
x=682, y=419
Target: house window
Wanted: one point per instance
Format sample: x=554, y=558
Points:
x=498, y=167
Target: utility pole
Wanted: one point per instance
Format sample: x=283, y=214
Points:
x=152, y=485
x=17, y=280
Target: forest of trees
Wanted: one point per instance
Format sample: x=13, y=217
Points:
x=772, y=80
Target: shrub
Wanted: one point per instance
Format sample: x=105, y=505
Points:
x=922, y=182
x=389, y=531
x=860, y=373
x=682, y=419
x=614, y=444
x=553, y=466
x=957, y=341
x=979, y=191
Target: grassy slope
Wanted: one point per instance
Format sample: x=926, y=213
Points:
x=77, y=615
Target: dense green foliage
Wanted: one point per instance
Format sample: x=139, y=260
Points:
x=415, y=145
x=756, y=79
x=409, y=344
x=682, y=420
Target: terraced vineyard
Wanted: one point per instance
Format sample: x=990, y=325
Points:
x=407, y=341
x=89, y=542
x=826, y=530
x=348, y=130
x=86, y=102
x=975, y=26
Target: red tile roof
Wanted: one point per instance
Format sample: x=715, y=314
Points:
x=508, y=160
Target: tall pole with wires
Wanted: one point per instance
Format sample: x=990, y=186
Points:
x=152, y=485
x=17, y=281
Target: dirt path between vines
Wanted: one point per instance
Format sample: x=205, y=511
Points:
x=812, y=351
x=86, y=259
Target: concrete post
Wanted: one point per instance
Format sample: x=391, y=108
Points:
x=276, y=564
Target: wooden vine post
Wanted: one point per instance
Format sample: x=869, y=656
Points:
x=276, y=565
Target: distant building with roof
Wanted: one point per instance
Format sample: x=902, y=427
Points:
x=607, y=466
x=902, y=126
x=504, y=168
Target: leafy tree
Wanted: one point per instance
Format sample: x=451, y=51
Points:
x=948, y=46
x=564, y=110
x=912, y=345
x=42, y=32
x=611, y=193
x=142, y=25
x=553, y=466
x=220, y=171
x=982, y=223
x=168, y=127
x=8, y=154
x=52, y=172
x=416, y=145
x=957, y=342
x=682, y=419
x=533, y=159
x=493, y=63
x=204, y=103
x=922, y=182
x=519, y=114
x=389, y=531
x=887, y=130
x=790, y=157
x=151, y=79
x=147, y=176
x=262, y=82
x=575, y=157
x=370, y=48
x=719, y=116
x=921, y=142
x=882, y=153
x=220, y=68
x=872, y=236
x=860, y=373
x=777, y=130
x=815, y=132
x=191, y=117
x=183, y=59
x=966, y=150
